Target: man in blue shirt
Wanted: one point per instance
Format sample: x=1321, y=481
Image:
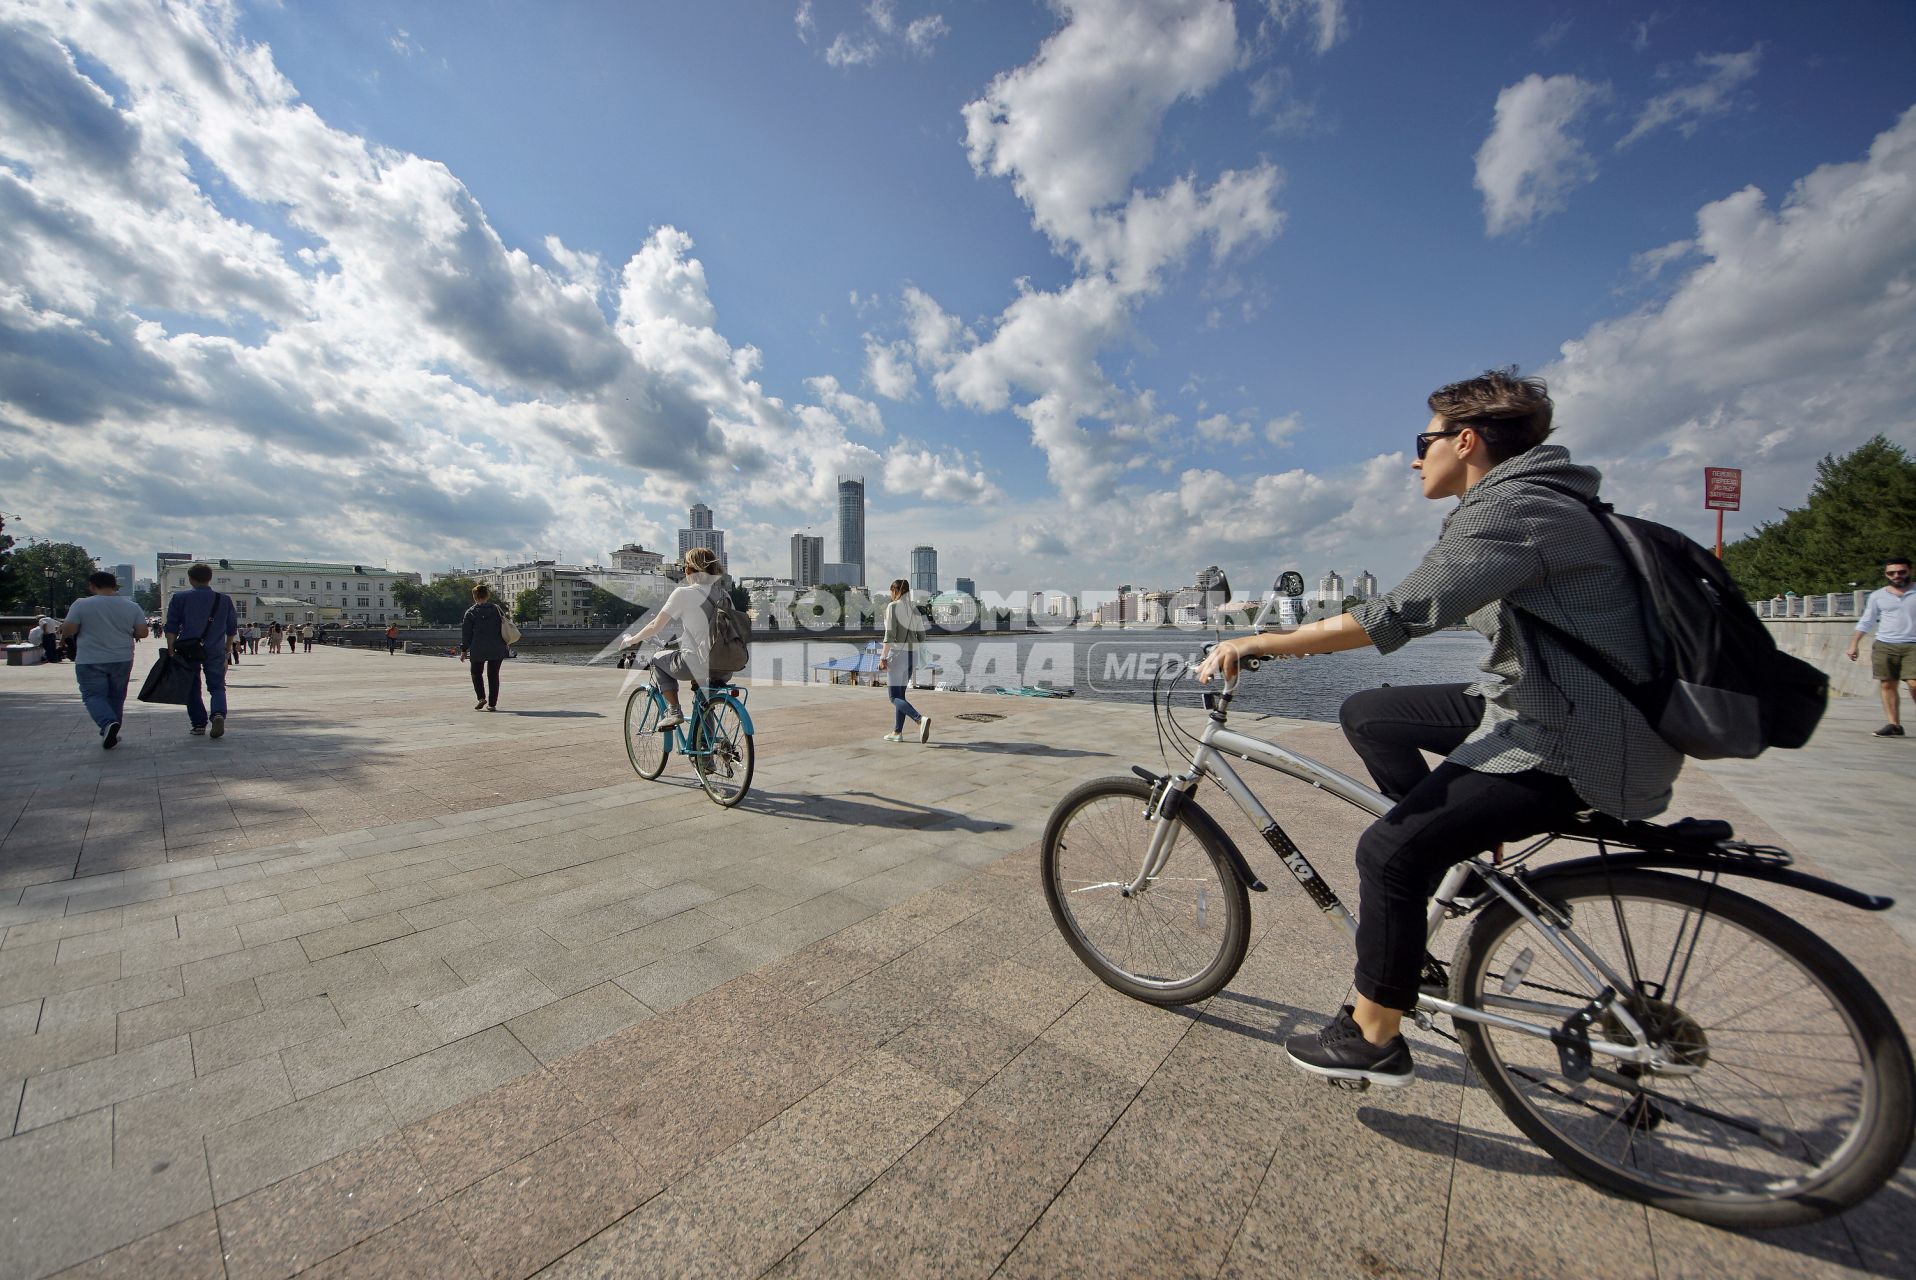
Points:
x=1891, y=613
x=198, y=622
x=106, y=624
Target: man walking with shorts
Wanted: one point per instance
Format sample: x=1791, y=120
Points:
x=1891, y=613
x=107, y=624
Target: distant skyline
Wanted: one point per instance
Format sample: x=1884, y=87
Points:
x=1090, y=292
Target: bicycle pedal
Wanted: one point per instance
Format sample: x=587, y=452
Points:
x=1349, y=1086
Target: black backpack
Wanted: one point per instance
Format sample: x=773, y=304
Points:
x=730, y=632
x=1721, y=686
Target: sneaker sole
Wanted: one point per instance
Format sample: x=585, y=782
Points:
x=1381, y=1079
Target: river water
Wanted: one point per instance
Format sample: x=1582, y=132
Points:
x=1117, y=667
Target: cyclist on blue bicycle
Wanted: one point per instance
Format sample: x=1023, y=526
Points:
x=685, y=610
x=1542, y=739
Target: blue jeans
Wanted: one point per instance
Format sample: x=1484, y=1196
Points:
x=898, y=676
x=213, y=667
x=103, y=689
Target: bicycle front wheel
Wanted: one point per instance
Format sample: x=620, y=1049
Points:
x=645, y=742
x=1782, y=1093
x=721, y=753
x=1179, y=937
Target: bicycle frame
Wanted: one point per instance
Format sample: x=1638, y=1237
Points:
x=1211, y=760
x=680, y=736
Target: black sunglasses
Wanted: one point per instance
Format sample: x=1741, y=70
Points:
x=1424, y=439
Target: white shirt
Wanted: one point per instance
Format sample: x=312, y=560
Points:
x=1891, y=616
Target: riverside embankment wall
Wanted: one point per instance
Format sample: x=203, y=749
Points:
x=1822, y=643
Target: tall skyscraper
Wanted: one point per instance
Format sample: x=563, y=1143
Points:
x=851, y=524
x=965, y=587
x=924, y=570
x=701, y=534
x=1366, y=587
x=808, y=559
x=1330, y=587
x=124, y=572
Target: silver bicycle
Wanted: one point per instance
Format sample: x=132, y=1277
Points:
x=1661, y=1035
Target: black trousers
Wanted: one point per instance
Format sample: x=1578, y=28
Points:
x=1442, y=816
x=490, y=675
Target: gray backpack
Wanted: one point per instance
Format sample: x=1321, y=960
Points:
x=730, y=631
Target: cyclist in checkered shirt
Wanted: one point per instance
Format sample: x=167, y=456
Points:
x=1542, y=738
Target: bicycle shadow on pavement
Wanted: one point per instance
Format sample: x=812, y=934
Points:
x=554, y=715
x=841, y=810
x=1018, y=749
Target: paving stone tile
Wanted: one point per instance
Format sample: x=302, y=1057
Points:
x=425, y=1246
x=577, y=1020
x=530, y=1213
x=257, y=933
x=50, y=1170
x=401, y=989
x=287, y=1227
x=167, y=1118
x=57, y=979
x=352, y=936
x=104, y=1081
x=214, y=941
x=236, y=966
x=328, y=893
x=32, y=1055
x=670, y=982
x=449, y=1075
x=357, y=1050
x=94, y=944
x=463, y=1143
x=188, y=1250
x=290, y=1139
x=228, y=1043
x=167, y=1018
x=10, y=1095
x=60, y=927
x=354, y=972
x=488, y=1002
x=421, y=945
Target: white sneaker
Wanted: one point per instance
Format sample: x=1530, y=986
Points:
x=924, y=729
x=670, y=720
x=894, y=737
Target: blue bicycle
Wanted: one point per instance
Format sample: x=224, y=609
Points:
x=716, y=736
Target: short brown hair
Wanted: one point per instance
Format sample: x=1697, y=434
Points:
x=703, y=560
x=1511, y=413
x=200, y=574
x=481, y=591
x=900, y=586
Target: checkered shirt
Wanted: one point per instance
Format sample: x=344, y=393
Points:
x=1514, y=543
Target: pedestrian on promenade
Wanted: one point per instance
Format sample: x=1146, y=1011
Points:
x=392, y=636
x=252, y=638
x=235, y=644
x=686, y=609
x=306, y=634
x=482, y=641
x=1891, y=612
x=198, y=621
x=105, y=625
x=904, y=626
x=48, y=634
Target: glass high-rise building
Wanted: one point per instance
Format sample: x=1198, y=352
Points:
x=851, y=524
x=701, y=534
x=965, y=587
x=924, y=570
x=808, y=560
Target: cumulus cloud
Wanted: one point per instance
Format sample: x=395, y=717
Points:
x=1794, y=335
x=1686, y=107
x=947, y=476
x=880, y=34
x=1533, y=160
x=889, y=370
x=378, y=373
x=923, y=35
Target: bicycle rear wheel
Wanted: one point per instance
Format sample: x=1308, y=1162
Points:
x=722, y=753
x=1784, y=1095
x=645, y=743
x=1177, y=940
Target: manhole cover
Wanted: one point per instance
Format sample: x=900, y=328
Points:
x=979, y=717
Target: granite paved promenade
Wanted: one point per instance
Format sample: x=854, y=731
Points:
x=380, y=986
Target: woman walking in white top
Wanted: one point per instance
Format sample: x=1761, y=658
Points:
x=899, y=658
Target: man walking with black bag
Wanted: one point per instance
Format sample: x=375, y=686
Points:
x=198, y=621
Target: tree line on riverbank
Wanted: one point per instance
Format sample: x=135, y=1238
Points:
x=1860, y=511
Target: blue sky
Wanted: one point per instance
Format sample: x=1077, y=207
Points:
x=1090, y=292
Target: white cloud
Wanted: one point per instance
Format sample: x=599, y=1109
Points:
x=1688, y=106
x=1274, y=99
x=880, y=14
x=1279, y=431
x=804, y=22
x=1532, y=159
x=1220, y=429
x=1793, y=336
x=846, y=50
x=1328, y=20
x=888, y=368
x=924, y=33
x=913, y=468
x=861, y=413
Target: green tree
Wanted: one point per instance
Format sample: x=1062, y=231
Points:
x=741, y=598
x=148, y=597
x=612, y=609
x=439, y=604
x=1861, y=510
x=49, y=575
x=530, y=605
